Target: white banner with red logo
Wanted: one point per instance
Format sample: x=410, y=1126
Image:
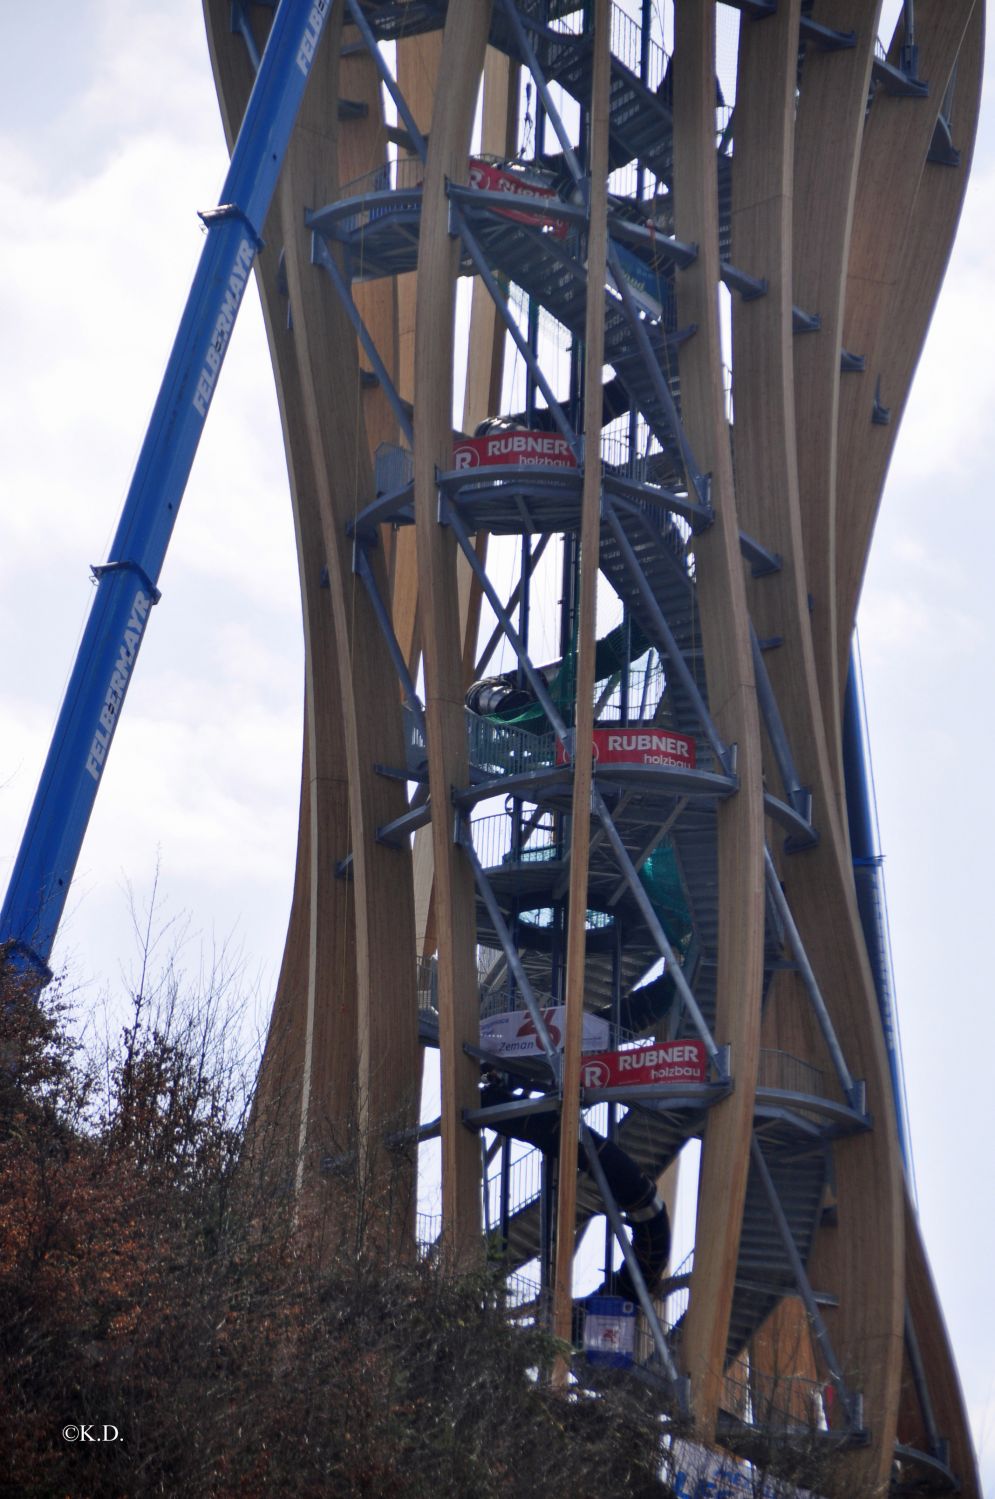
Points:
x=645, y=1066
x=518, y=449
x=513, y=1033
x=639, y=747
x=700, y=1473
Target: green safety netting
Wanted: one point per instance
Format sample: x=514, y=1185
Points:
x=614, y=654
x=661, y=880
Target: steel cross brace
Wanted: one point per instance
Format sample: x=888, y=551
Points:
x=853, y=1091
x=513, y=598
x=532, y=63
x=801, y=1279
x=937, y=1446
x=597, y=838
x=240, y=27
x=658, y=934
x=322, y=255
x=675, y=657
x=661, y=389
x=798, y=795
x=449, y=515
x=387, y=77
x=361, y=565
x=554, y=1057
x=654, y=843
x=521, y=343
x=680, y=1385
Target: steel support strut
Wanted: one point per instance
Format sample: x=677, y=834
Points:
x=614, y=1217
x=322, y=255
x=802, y=1281
x=492, y=642
x=853, y=1091
x=387, y=78
x=798, y=795
x=658, y=934
x=361, y=565
x=675, y=658
x=452, y=518
x=697, y=480
x=553, y=1056
x=532, y=63
x=521, y=342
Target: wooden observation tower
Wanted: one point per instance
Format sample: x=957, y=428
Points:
x=592, y=339
x=593, y=323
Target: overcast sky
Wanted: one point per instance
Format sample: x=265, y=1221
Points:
x=110, y=142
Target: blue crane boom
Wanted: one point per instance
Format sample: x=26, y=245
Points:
x=126, y=583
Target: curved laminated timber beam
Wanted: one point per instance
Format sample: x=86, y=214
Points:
x=832, y=107
x=351, y=1009
x=860, y=1256
x=904, y=223
x=721, y=590
x=483, y=847
x=463, y=47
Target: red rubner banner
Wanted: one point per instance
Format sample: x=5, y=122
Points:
x=494, y=179
x=638, y=747
x=524, y=449
x=642, y=1066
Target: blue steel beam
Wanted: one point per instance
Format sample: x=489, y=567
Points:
x=126, y=583
x=868, y=876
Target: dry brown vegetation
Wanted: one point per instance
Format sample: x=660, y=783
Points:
x=146, y=1284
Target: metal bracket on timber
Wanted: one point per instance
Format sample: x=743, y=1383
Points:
x=762, y=562
x=826, y=38
x=805, y=322
x=899, y=81
x=749, y=287
x=942, y=151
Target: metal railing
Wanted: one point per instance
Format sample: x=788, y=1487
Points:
x=492, y=1000
x=394, y=468
x=523, y=1296
x=628, y=42
x=626, y=38
x=506, y=749
x=428, y=1227
x=671, y=1303
x=781, y=1070
x=492, y=838
x=778, y=1404
x=644, y=463
x=400, y=174
x=524, y=1184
